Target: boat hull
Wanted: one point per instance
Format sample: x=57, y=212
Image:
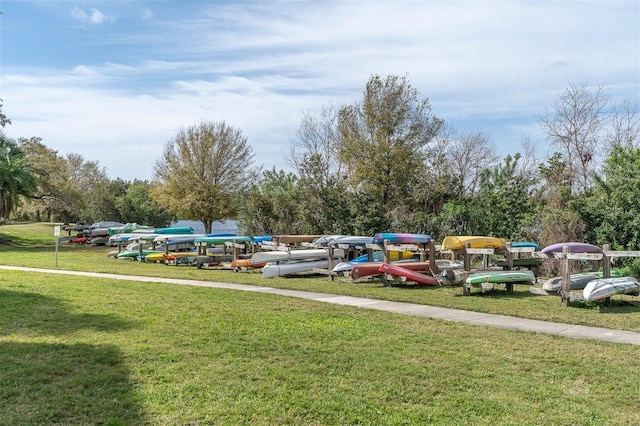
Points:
x=455, y=243
x=576, y=281
x=501, y=277
x=288, y=255
x=281, y=269
x=401, y=238
x=573, y=247
x=603, y=288
x=402, y=271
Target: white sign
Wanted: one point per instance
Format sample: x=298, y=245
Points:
x=56, y=231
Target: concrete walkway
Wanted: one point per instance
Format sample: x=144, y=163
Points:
x=457, y=315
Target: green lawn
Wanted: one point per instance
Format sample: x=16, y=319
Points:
x=77, y=351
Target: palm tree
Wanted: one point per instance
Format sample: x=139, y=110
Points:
x=15, y=178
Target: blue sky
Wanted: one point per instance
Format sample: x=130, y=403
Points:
x=114, y=80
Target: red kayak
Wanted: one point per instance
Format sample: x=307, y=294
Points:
x=402, y=271
x=373, y=268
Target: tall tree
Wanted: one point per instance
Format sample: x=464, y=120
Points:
x=318, y=137
x=575, y=125
x=556, y=214
x=100, y=202
x=504, y=205
x=466, y=155
x=271, y=205
x=63, y=181
x=15, y=176
x=382, y=140
x=137, y=205
x=625, y=124
x=4, y=120
x=610, y=212
x=201, y=170
x=322, y=188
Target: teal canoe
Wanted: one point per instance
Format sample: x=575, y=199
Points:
x=218, y=240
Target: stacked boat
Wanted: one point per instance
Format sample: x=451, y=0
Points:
x=295, y=261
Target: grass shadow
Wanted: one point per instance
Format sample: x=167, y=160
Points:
x=500, y=292
x=60, y=383
x=33, y=313
x=611, y=306
x=42, y=383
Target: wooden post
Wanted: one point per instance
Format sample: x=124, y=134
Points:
x=606, y=261
x=331, y=262
x=432, y=258
x=466, y=258
x=566, y=278
x=467, y=268
x=385, y=251
x=508, y=256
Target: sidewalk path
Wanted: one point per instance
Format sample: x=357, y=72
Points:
x=457, y=315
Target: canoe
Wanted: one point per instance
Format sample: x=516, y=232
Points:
x=344, y=267
x=573, y=247
x=219, y=240
x=401, y=238
x=132, y=254
x=501, y=277
x=128, y=228
x=292, y=239
x=326, y=239
x=351, y=240
x=118, y=238
x=401, y=271
x=576, y=281
x=525, y=244
x=455, y=243
x=378, y=256
x=98, y=241
x=442, y=264
x=275, y=270
x=603, y=288
x=260, y=239
x=175, y=230
x=367, y=269
x=246, y=263
x=177, y=238
x=288, y=255
x=154, y=257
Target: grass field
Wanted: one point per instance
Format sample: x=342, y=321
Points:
x=84, y=351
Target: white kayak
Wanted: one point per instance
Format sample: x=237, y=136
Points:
x=276, y=270
x=288, y=255
x=603, y=288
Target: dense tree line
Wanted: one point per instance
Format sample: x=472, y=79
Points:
x=384, y=163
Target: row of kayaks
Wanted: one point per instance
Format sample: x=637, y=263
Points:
x=402, y=265
x=594, y=286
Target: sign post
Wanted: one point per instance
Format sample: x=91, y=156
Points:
x=56, y=233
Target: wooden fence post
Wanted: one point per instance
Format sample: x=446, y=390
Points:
x=566, y=278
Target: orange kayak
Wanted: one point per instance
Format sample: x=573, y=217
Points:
x=246, y=263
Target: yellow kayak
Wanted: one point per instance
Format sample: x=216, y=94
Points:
x=458, y=242
x=158, y=257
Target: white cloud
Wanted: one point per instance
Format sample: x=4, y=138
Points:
x=258, y=65
x=146, y=14
x=92, y=16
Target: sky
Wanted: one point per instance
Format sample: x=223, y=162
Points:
x=115, y=80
